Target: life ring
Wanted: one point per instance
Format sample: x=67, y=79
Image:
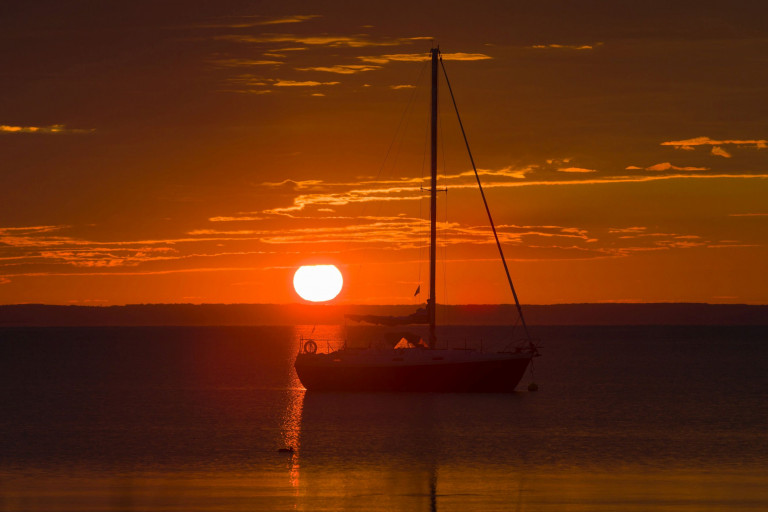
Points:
x=310, y=347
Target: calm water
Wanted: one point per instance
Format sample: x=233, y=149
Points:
x=190, y=419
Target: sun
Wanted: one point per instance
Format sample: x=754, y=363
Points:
x=317, y=283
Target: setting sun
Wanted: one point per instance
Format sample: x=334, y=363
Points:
x=318, y=283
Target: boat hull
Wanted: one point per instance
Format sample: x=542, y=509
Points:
x=319, y=372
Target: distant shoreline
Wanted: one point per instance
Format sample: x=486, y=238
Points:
x=293, y=314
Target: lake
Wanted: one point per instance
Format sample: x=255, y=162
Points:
x=191, y=419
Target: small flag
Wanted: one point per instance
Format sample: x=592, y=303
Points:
x=418, y=291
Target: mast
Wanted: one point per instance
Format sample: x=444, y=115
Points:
x=431, y=302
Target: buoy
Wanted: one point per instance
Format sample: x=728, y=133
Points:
x=533, y=386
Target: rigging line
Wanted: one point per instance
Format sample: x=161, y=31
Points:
x=445, y=251
x=442, y=146
x=441, y=138
x=421, y=228
x=487, y=209
x=403, y=118
x=401, y=129
x=397, y=139
x=512, y=333
x=399, y=132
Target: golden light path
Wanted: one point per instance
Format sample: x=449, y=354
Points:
x=318, y=283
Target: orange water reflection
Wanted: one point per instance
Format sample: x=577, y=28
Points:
x=363, y=486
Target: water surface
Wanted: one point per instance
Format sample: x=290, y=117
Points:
x=627, y=418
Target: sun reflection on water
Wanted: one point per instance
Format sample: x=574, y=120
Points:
x=328, y=337
x=291, y=430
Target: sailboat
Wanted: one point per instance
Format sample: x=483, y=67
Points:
x=412, y=364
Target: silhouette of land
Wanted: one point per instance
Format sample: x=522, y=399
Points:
x=292, y=314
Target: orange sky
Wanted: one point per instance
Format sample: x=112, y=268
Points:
x=157, y=155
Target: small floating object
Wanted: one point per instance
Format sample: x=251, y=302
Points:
x=533, y=386
x=286, y=450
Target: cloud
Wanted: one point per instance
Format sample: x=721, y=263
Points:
x=54, y=128
x=534, y=242
x=576, y=170
x=108, y=257
x=666, y=166
x=235, y=63
x=249, y=84
x=403, y=232
x=247, y=91
x=421, y=57
x=408, y=232
x=323, y=194
x=248, y=81
x=217, y=232
x=37, y=240
x=289, y=19
x=406, y=189
x=637, y=239
x=590, y=46
x=689, y=144
x=506, y=172
x=641, y=234
x=39, y=245
x=307, y=83
x=32, y=229
x=256, y=21
x=748, y=214
x=632, y=229
x=292, y=185
x=404, y=86
x=718, y=151
x=235, y=219
x=358, y=195
x=342, y=69
x=31, y=236
x=144, y=273
x=402, y=57
x=465, y=56
x=332, y=41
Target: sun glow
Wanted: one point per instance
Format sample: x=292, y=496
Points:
x=317, y=283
